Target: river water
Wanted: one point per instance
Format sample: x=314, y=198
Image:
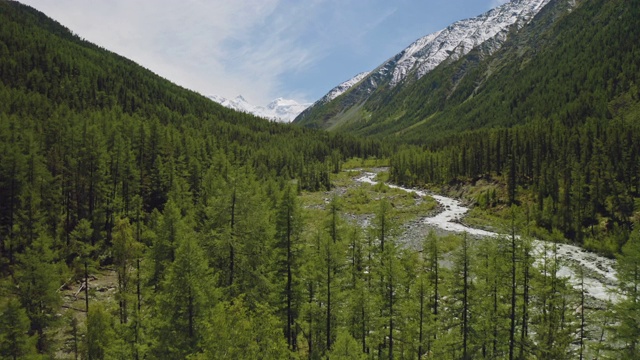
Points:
x=599, y=273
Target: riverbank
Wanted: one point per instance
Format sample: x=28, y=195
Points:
x=598, y=273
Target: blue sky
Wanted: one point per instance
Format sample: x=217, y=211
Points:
x=262, y=49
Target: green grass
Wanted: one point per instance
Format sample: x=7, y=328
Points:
x=364, y=199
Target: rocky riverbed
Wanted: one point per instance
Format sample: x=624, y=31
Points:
x=598, y=272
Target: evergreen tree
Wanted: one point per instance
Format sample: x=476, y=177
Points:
x=461, y=296
x=37, y=279
x=554, y=327
x=346, y=348
x=492, y=324
x=125, y=252
x=627, y=310
x=188, y=293
x=100, y=333
x=288, y=234
x=168, y=228
x=234, y=332
x=15, y=342
x=432, y=258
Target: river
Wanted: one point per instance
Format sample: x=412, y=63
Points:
x=599, y=273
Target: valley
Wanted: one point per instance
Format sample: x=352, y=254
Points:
x=599, y=274
x=475, y=196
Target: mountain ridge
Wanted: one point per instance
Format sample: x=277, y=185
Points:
x=280, y=109
x=488, y=30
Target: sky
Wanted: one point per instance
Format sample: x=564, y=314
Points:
x=260, y=49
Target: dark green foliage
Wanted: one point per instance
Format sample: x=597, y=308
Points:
x=103, y=164
x=15, y=342
x=626, y=311
x=233, y=331
x=38, y=277
x=289, y=243
x=553, y=115
x=100, y=333
x=188, y=294
x=582, y=180
x=566, y=65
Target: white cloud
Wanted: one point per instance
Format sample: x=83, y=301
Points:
x=204, y=45
x=261, y=49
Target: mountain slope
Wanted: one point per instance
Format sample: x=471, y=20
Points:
x=488, y=31
x=55, y=88
x=569, y=64
x=281, y=110
x=573, y=60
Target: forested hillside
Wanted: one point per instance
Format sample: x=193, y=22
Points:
x=569, y=63
x=141, y=220
x=96, y=152
x=553, y=116
x=563, y=128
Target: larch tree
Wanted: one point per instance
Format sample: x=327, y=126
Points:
x=38, y=278
x=188, y=293
x=15, y=342
x=288, y=237
x=627, y=310
x=125, y=253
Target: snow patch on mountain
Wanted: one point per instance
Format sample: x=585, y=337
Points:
x=281, y=110
x=451, y=43
x=343, y=87
x=459, y=38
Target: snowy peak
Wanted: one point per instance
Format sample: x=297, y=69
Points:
x=343, y=87
x=281, y=110
x=459, y=38
x=238, y=104
x=487, y=32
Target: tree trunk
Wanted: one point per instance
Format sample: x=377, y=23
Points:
x=289, y=283
x=525, y=304
x=421, y=319
x=465, y=300
x=231, y=244
x=86, y=287
x=390, y=308
x=512, y=315
x=328, y=300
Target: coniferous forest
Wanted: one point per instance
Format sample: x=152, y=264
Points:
x=140, y=220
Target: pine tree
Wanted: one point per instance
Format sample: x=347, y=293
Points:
x=462, y=295
x=232, y=331
x=288, y=233
x=168, y=227
x=432, y=257
x=100, y=333
x=15, y=342
x=188, y=293
x=491, y=328
x=627, y=309
x=38, y=279
x=346, y=348
x=81, y=252
x=552, y=326
x=125, y=251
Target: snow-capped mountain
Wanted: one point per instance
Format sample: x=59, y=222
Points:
x=488, y=31
x=340, y=89
x=459, y=38
x=282, y=110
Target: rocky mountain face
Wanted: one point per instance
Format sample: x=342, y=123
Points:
x=342, y=88
x=485, y=33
